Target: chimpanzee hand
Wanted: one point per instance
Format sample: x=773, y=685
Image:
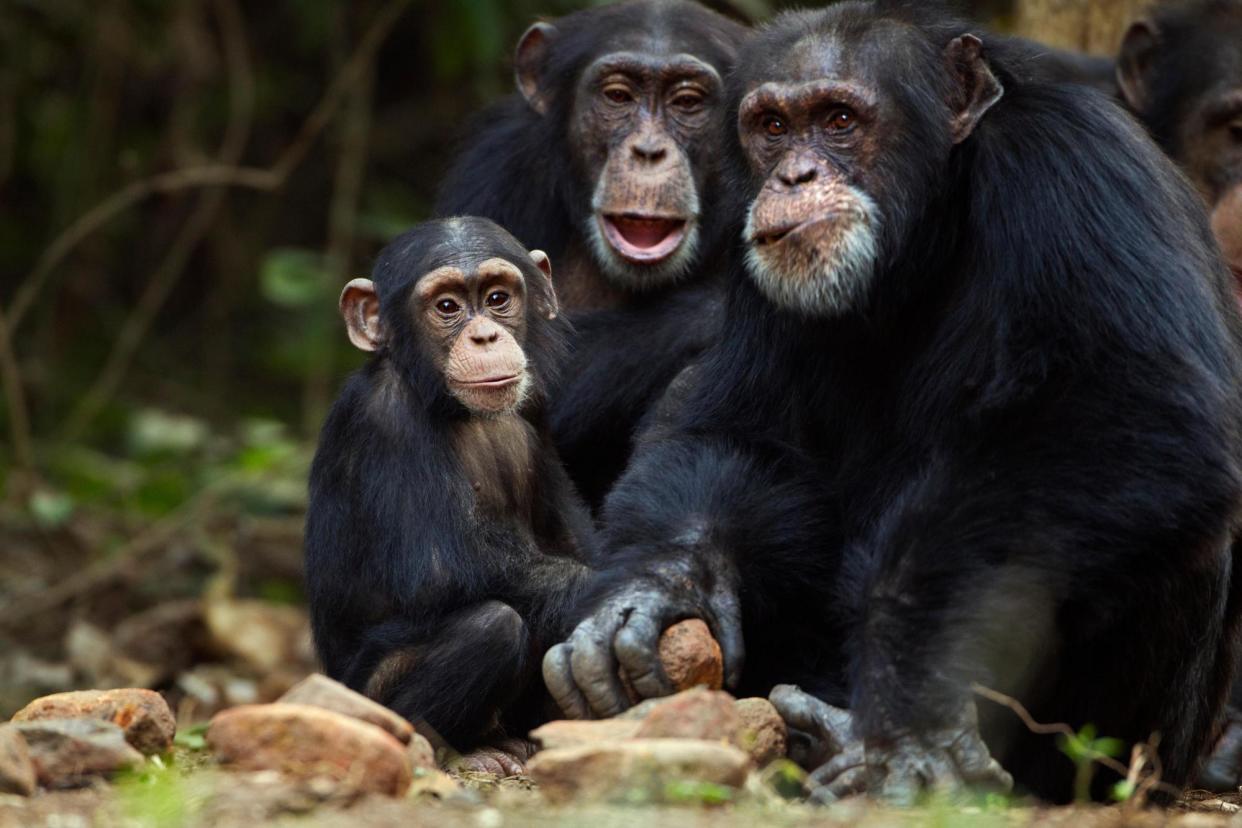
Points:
x=623, y=634
x=898, y=770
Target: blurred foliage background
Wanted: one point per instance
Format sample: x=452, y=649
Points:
x=184, y=187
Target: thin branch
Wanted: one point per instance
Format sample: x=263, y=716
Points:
x=211, y=175
x=1062, y=729
x=15, y=404
x=171, y=269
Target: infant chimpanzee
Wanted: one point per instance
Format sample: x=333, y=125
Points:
x=444, y=542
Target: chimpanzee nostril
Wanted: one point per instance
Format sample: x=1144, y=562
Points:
x=653, y=153
x=800, y=175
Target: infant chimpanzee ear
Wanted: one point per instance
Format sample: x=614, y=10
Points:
x=549, y=306
x=361, y=310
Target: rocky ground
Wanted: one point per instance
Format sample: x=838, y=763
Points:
x=322, y=754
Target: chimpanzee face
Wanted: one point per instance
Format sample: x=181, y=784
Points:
x=638, y=122
x=456, y=295
x=1181, y=72
x=642, y=116
x=823, y=139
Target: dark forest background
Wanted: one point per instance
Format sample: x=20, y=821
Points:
x=184, y=187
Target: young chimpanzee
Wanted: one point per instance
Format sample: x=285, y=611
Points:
x=607, y=157
x=1180, y=71
x=974, y=418
x=444, y=541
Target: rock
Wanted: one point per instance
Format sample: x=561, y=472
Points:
x=573, y=733
x=143, y=715
x=69, y=752
x=17, y=770
x=169, y=638
x=763, y=735
x=320, y=691
x=692, y=714
x=691, y=656
x=303, y=742
x=640, y=769
x=261, y=635
x=420, y=753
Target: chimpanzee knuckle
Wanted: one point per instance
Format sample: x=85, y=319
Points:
x=851, y=783
x=559, y=679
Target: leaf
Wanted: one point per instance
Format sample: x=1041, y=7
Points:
x=51, y=509
x=292, y=277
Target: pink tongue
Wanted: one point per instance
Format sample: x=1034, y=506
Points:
x=645, y=233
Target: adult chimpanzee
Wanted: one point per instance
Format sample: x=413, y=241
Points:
x=1180, y=71
x=607, y=159
x=444, y=541
x=973, y=417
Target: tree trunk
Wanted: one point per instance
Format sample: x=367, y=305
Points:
x=1093, y=26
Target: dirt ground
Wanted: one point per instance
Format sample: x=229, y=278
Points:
x=199, y=795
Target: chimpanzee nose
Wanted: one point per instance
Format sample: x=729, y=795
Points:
x=651, y=151
x=799, y=172
x=484, y=332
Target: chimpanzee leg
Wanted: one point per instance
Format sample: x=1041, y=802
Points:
x=459, y=678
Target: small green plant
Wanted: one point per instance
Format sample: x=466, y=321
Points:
x=192, y=738
x=687, y=792
x=1085, y=749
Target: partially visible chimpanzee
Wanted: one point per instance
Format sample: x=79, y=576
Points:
x=1180, y=71
x=444, y=541
x=973, y=417
x=607, y=159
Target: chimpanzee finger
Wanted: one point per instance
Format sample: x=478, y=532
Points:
x=595, y=669
x=725, y=622
x=831, y=725
x=850, y=783
x=637, y=647
x=827, y=773
x=558, y=675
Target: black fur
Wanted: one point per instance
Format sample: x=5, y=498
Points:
x=398, y=559
x=1017, y=465
x=516, y=169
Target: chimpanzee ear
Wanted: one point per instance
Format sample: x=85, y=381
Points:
x=1138, y=52
x=361, y=310
x=532, y=52
x=978, y=90
x=551, y=306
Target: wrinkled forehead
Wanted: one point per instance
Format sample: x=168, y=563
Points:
x=849, y=52
x=487, y=271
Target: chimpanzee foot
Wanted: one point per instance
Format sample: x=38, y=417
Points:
x=899, y=770
x=1223, y=769
x=505, y=758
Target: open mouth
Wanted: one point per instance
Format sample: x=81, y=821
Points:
x=492, y=382
x=643, y=239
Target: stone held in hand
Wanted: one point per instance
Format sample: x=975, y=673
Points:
x=621, y=771
x=763, y=734
x=317, y=690
x=17, y=770
x=68, y=753
x=142, y=714
x=690, y=657
x=305, y=742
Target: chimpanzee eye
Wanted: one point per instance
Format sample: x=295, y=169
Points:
x=1235, y=130
x=773, y=126
x=447, y=307
x=618, y=94
x=841, y=119
x=687, y=99
x=497, y=299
